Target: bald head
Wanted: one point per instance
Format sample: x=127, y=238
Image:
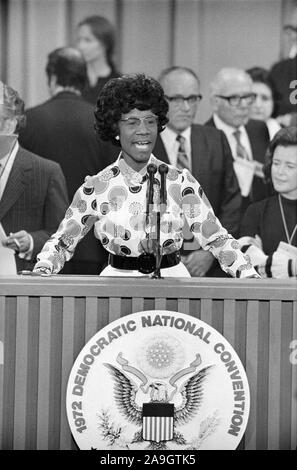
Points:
x=231, y=82
x=180, y=82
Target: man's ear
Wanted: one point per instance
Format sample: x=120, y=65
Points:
x=52, y=83
x=214, y=102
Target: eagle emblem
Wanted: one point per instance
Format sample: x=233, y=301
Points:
x=158, y=416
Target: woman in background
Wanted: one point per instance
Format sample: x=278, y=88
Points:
x=263, y=106
x=96, y=41
x=269, y=227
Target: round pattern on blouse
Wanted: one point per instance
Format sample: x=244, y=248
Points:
x=104, y=208
x=191, y=205
x=190, y=177
x=106, y=175
x=172, y=174
x=94, y=205
x=168, y=243
x=115, y=170
x=73, y=228
x=208, y=228
x=125, y=250
x=200, y=191
x=227, y=258
x=135, y=189
x=117, y=196
x=127, y=235
x=234, y=244
x=88, y=190
x=175, y=192
x=66, y=240
x=68, y=213
x=196, y=227
x=219, y=242
x=101, y=186
x=135, y=208
x=188, y=190
x=104, y=239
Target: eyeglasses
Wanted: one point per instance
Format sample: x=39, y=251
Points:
x=133, y=122
x=236, y=100
x=178, y=100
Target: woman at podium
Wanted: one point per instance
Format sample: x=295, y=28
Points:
x=137, y=205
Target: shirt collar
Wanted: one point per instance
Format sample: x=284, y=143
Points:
x=228, y=130
x=170, y=135
x=11, y=155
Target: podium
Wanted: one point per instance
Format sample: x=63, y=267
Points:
x=45, y=322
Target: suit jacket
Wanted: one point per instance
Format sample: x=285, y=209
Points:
x=282, y=74
x=62, y=129
x=259, y=139
x=212, y=166
x=34, y=199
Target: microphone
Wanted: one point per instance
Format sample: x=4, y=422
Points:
x=152, y=170
x=163, y=170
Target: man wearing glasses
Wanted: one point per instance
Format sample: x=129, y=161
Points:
x=205, y=152
x=231, y=99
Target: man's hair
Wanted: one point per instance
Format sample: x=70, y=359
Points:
x=177, y=68
x=286, y=137
x=13, y=105
x=68, y=66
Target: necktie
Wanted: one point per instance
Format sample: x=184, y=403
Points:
x=240, y=150
x=182, y=157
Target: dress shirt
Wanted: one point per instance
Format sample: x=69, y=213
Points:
x=171, y=145
x=228, y=130
x=114, y=201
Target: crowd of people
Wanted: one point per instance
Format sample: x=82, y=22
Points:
x=150, y=191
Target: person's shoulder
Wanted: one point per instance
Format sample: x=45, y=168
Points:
x=39, y=108
x=257, y=126
x=207, y=130
x=37, y=160
x=283, y=64
x=262, y=205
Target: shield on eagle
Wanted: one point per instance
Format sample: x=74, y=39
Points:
x=157, y=421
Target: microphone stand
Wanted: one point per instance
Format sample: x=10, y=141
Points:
x=163, y=170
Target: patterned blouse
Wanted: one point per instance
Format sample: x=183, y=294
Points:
x=115, y=202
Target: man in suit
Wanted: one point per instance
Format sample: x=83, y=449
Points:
x=208, y=157
x=62, y=129
x=231, y=99
x=33, y=195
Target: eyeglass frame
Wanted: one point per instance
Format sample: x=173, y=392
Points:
x=138, y=121
x=253, y=96
x=178, y=100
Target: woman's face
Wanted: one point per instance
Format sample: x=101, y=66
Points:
x=90, y=47
x=138, y=131
x=284, y=171
x=262, y=107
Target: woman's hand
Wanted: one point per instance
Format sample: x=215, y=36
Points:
x=42, y=268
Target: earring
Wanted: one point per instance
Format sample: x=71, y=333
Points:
x=117, y=137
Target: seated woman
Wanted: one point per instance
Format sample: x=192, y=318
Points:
x=123, y=201
x=263, y=106
x=269, y=227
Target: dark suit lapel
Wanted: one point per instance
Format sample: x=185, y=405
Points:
x=199, y=151
x=159, y=150
x=16, y=183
